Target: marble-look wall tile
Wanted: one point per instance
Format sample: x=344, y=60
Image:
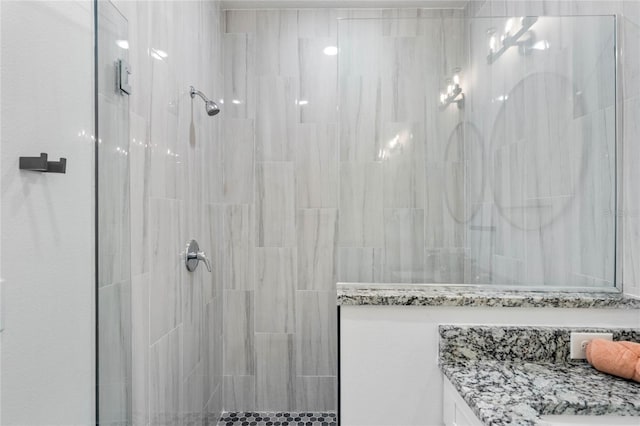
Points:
x=178, y=165
x=403, y=167
x=115, y=343
x=442, y=230
x=277, y=42
x=318, y=81
x=165, y=300
x=114, y=227
x=316, y=166
x=239, y=72
x=239, y=393
x=213, y=240
x=238, y=332
x=275, y=372
x=316, y=331
x=140, y=349
x=630, y=199
x=239, y=247
x=240, y=21
x=192, y=321
x=193, y=398
x=212, y=345
x=360, y=219
x=360, y=119
x=360, y=265
x=214, y=407
x=238, y=161
x=317, y=232
x=403, y=82
x=630, y=23
x=403, y=245
x=275, y=205
x=139, y=157
x=444, y=266
x=322, y=22
x=316, y=393
x=165, y=384
x=275, y=290
x=277, y=117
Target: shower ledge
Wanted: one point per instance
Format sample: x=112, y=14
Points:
x=352, y=294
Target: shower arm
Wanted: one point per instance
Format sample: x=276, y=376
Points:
x=193, y=92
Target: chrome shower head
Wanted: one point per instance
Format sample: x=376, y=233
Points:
x=210, y=106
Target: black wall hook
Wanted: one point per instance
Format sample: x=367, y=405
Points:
x=40, y=164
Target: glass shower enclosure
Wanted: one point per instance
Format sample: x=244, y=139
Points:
x=478, y=151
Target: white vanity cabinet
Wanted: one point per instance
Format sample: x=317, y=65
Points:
x=455, y=411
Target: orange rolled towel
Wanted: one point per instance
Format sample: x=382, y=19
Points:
x=618, y=358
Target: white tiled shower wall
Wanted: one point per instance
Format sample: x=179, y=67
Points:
x=174, y=147
x=303, y=211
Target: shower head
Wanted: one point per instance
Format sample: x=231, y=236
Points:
x=210, y=106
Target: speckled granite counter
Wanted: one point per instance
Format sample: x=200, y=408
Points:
x=513, y=375
x=466, y=295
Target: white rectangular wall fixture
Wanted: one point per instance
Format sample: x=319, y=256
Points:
x=579, y=343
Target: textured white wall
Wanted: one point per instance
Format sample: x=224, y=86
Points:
x=47, y=219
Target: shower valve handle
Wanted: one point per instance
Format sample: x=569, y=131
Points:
x=193, y=256
x=202, y=256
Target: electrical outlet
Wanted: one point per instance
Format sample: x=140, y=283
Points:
x=579, y=343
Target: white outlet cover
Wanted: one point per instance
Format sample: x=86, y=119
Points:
x=578, y=339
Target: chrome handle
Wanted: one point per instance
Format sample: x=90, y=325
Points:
x=193, y=256
x=202, y=256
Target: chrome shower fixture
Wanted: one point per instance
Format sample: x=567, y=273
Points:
x=211, y=107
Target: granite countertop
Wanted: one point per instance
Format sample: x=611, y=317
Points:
x=472, y=295
x=513, y=375
x=518, y=393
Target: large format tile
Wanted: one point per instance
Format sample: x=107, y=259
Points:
x=360, y=118
x=275, y=372
x=359, y=264
x=240, y=393
x=139, y=157
x=238, y=161
x=360, y=205
x=238, y=332
x=275, y=290
x=115, y=344
x=403, y=167
x=277, y=42
x=192, y=319
x=318, y=81
x=212, y=346
x=277, y=116
x=275, y=205
x=317, y=166
x=239, y=75
x=140, y=349
x=403, y=245
x=317, y=238
x=631, y=200
x=167, y=266
x=316, y=336
x=316, y=393
x=165, y=382
x=239, y=247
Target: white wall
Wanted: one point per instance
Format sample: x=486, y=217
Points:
x=47, y=219
x=389, y=371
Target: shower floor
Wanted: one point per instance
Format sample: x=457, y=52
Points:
x=280, y=418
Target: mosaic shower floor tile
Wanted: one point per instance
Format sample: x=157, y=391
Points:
x=280, y=418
